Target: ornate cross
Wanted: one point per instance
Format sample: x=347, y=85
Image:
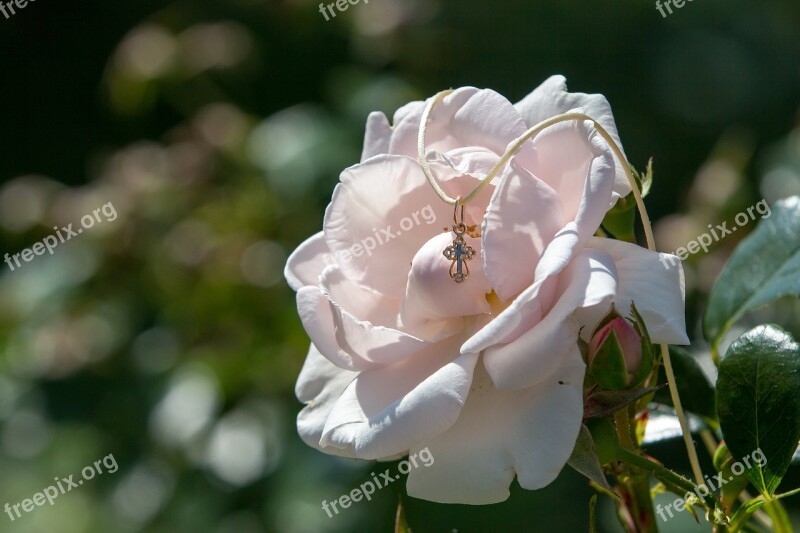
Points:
x=459, y=253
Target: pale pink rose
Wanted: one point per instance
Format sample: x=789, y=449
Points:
x=487, y=374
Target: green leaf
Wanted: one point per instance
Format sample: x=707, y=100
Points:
x=621, y=218
x=584, y=459
x=592, y=515
x=696, y=393
x=645, y=180
x=758, y=402
x=620, y=222
x=764, y=267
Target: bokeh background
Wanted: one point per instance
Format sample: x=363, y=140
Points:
x=217, y=129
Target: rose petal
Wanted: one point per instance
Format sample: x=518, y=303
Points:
x=525, y=311
x=523, y=216
x=405, y=129
x=591, y=209
x=470, y=161
x=361, y=302
x=530, y=305
x=579, y=166
x=466, y=117
x=319, y=386
x=375, y=223
x=500, y=433
x=388, y=410
x=551, y=98
x=432, y=298
x=458, y=173
x=590, y=280
x=366, y=343
x=377, y=135
x=317, y=318
x=655, y=282
x=307, y=262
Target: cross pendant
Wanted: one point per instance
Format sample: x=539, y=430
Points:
x=459, y=253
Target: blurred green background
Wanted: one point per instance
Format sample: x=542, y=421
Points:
x=217, y=129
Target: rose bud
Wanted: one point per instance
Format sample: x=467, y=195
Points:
x=619, y=352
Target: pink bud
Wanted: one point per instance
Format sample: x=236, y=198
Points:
x=629, y=341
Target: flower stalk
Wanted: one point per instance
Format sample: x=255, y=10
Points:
x=638, y=513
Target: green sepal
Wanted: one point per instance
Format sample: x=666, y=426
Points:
x=646, y=365
x=608, y=366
